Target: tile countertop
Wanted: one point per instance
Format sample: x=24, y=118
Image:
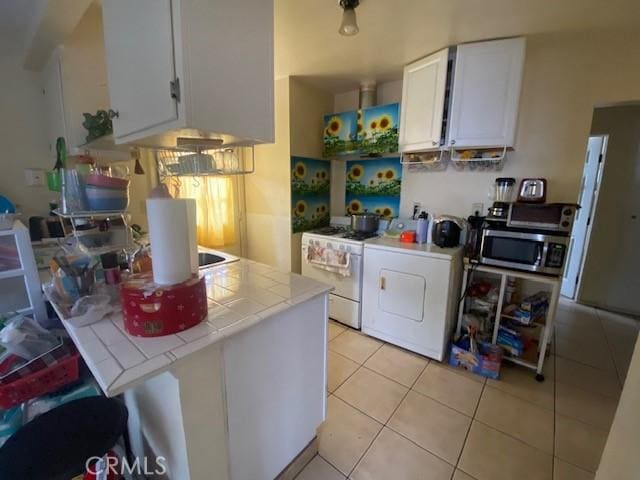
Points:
x=240, y=295
x=425, y=249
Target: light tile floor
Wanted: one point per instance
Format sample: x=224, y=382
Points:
x=396, y=415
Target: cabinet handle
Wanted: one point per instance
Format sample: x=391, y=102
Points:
x=383, y=283
x=452, y=142
x=434, y=143
x=113, y=113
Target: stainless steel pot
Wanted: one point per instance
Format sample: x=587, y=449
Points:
x=365, y=222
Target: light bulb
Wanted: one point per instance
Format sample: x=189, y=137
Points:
x=349, y=26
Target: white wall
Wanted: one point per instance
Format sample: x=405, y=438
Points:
x=84, y=74
x=23, y=127
x=565, y=76
x=268, y=192
x=387, y=92
x=619, y=459
x=610, y=275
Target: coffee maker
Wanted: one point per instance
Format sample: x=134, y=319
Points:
x=474, y=236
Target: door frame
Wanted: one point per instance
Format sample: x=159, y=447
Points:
x=592, y=213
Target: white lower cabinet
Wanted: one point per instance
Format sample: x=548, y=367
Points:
x=410, y=299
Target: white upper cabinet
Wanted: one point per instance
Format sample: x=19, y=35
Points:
x=140, y=64
x=486, y=91
x=423, y=100
x=190, y=68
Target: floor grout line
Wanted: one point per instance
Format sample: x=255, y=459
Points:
x=475, y=412
x=385, y=424
x=616, y=373
x=610, y=349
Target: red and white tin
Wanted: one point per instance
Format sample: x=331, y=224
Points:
x=152, y=310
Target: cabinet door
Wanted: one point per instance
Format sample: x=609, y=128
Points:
x=423, y=93
x=139, y=45
x=486, y=91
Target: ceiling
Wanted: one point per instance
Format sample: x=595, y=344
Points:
x=14, y=16
x=393, y=33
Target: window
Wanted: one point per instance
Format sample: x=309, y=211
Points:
x=216, y=215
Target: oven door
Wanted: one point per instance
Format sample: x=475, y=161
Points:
x=347, y=287
x=534, y=252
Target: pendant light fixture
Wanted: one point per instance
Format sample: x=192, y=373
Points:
x=349, y=26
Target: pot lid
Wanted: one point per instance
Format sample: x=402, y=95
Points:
x=365, y=214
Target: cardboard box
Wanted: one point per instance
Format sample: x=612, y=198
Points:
x=486, y=362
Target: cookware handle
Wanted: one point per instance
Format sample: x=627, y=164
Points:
x=383, y=283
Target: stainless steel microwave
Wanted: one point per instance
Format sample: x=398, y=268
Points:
x=530, y=251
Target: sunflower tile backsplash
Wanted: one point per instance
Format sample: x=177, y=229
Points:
x=340, y=134
x=369, y=131
x=378, y=129
x=373, y=185
x=310, y=193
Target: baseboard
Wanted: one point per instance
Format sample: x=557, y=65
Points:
x=298, y=463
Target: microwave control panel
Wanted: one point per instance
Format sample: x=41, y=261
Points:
x=555, y=255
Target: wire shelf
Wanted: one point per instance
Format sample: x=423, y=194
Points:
x=203, y=160
x=479, y=160
x=434, y=161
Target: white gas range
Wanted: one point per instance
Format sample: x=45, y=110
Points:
x=344, y=301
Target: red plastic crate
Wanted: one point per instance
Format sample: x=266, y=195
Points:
x=64, y=371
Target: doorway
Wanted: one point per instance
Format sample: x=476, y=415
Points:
x=587, y=199
x=608, y=277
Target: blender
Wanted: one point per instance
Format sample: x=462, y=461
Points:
x=503, y=191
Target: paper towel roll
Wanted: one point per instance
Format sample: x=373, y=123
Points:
x=193, y=235
x=170, y=239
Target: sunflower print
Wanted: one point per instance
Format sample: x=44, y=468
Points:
x=386, y=212
x=355, y=206
x=384, y=123
x=373, y=125
x=359, y=115
x=380, y=175
x=389, y=174
x=356, y=172
x=301, y=209
x=334, y=126
x=300, y=170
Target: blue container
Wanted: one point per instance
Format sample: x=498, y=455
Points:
x=103, y=199
x=422, y=228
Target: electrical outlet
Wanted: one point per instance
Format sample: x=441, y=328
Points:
x=477, y=207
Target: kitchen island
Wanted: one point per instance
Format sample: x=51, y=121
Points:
x=238, y=396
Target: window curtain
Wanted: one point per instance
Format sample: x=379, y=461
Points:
x=215, y=214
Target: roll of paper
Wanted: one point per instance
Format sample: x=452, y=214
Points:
x=193, y=235
x=170, y=239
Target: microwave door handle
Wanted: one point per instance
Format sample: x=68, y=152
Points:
x=539, y=254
